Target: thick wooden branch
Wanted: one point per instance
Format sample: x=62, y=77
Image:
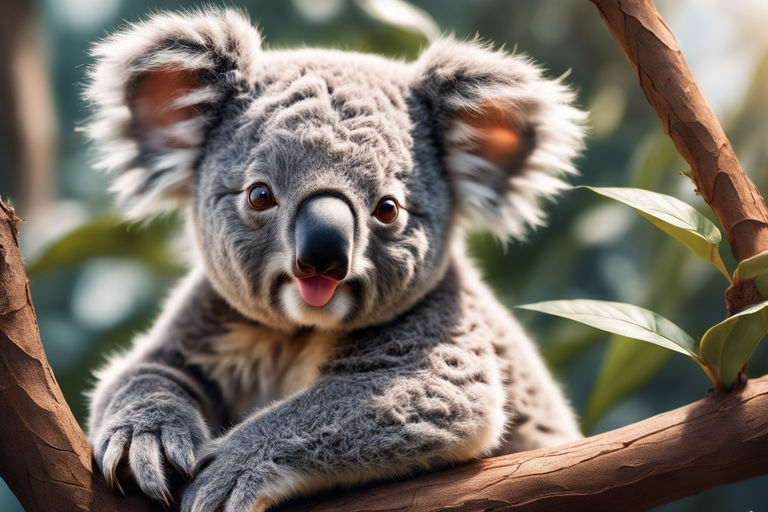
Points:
x=723, y=438
x=720, y=439
x=686, y=117
x=44, y=456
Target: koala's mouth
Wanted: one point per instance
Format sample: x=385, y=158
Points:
x=317, y=290
x=313, y=302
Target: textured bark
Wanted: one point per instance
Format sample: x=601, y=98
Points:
x=720, y=439
x=44, y=456
x=46, y=461
x=686, y=117
x=742, y=292
x=723, y=438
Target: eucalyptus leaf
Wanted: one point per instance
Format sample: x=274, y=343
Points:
x=676, y=218
x=755, y=267
x=622, y=319
x=627, y=365
x=728, y=345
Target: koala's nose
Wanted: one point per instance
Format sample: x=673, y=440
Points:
x=324, y=233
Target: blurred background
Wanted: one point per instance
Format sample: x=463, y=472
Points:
x=97, y=281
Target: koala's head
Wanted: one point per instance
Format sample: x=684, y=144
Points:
x=323, y=187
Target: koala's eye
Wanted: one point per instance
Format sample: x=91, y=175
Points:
x=386, y=211
x=260, y=197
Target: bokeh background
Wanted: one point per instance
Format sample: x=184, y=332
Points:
x=97, y=281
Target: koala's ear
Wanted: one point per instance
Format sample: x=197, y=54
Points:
x=155, y=88
x=508, y=134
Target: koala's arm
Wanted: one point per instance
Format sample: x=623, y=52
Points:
x=150, y=406
x=418, y=393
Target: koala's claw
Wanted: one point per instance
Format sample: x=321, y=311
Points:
x=146, y=461
x=109, y=456
x=237, y=496
x=179, y=450
x=146, y=454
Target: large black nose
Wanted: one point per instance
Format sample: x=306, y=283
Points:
x=324, y=234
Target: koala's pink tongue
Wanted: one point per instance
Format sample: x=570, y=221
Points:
x=316, y=290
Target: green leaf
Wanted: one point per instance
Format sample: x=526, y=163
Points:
x=676, y=218
x=109, y=236
x=622, y=319
x=755, y=267
x=728, y=345
x=627, y=365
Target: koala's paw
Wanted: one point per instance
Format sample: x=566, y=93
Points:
x=229, y=480
x=152, y=434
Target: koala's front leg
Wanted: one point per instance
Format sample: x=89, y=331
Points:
x=150, y=407
x=350, y=427
x=151, y=416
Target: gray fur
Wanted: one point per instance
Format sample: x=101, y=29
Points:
x=413, y=364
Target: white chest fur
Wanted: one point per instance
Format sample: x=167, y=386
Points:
x=256, y=365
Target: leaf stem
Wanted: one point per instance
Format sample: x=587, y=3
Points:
x=712, y=374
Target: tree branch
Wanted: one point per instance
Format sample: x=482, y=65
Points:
x=720, y=439
x=44, y=456
x=669, y=85
x=723, y=438
x=686, y=117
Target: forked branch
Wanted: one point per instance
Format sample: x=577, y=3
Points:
x=722, y=438
x=44, y=456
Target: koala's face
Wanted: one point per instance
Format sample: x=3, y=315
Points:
x=324, y=187
x=313, y=203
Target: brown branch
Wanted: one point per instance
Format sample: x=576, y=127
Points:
x=687, y=118
x=720, y=439
x=723, y=438
x=46, y=461
x=44, y=456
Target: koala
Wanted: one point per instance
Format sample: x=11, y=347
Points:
x=331, y=329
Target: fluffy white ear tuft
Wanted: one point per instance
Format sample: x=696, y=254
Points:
x=155, y=88
x=509, y=135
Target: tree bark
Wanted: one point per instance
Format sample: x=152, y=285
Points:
x=46, y=461
x=44, y=456
x=688, y=120
x=720, y=439
x=686, y=117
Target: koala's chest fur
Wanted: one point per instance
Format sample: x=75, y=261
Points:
x=255, y=365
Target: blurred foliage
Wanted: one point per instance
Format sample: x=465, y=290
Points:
x=110, y=236
x=627, y=365
x=100, y=282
